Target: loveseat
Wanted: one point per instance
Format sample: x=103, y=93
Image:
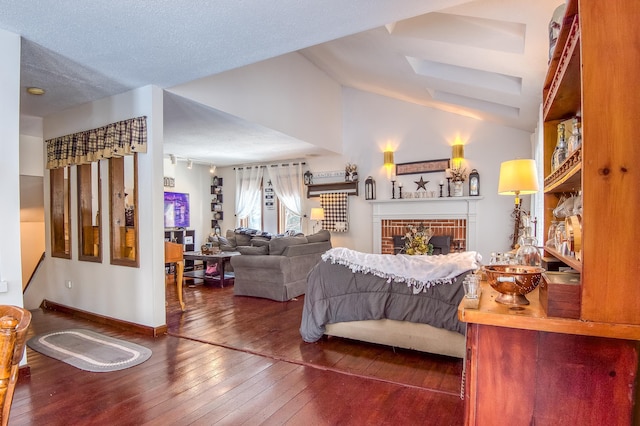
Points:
x=277, y=268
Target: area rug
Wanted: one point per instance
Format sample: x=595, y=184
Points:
x=88, y=350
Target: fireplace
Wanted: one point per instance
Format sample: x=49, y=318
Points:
x=441, y=244
x=448, y=216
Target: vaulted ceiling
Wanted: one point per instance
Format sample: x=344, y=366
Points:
x=484, y=59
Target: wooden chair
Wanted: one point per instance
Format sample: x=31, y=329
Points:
x=173, y=254
x=14, y=322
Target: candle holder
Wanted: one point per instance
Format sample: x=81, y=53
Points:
x=393, y=189
x=441, y=186
x=400, y=189
x=448, y=187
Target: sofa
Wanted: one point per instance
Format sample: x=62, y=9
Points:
x=275, y=267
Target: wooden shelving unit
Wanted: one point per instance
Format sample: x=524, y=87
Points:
x=216, y=204
x=591, y=75
x=314, y=190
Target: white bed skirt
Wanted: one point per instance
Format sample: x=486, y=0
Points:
x=402, y=334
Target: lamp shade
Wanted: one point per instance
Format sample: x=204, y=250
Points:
x=317, y=213
x=388, y=158
x=518, y=177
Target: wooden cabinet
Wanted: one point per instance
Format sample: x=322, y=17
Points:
x=542, y=378
x=524, y=366
x=592, y=74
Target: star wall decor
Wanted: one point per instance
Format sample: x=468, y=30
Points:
x=421, y=184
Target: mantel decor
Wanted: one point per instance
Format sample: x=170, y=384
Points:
x=430, y=166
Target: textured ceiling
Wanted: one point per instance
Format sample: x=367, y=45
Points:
x=484, y=59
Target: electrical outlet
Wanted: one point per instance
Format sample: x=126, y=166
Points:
x=68, y=283
x=4, y=286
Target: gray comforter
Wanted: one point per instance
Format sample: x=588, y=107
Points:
x=335, y=294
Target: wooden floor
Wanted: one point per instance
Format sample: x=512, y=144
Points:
x=239, y=360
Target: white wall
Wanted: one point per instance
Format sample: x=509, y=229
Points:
x=416, y=133
x=373, y=123
x=10, y=258
x=288, y=94
x=131, y=294
x=197, y=183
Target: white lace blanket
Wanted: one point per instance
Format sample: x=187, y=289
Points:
x=421, y=272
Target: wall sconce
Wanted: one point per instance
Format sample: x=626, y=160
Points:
x=212, y=169
x=457, y=155
x=369, y=189
x=388, y=159
x=317, y=214
x=189, y=164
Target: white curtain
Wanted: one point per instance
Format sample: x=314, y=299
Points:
x=288, y=184
x=248, y=192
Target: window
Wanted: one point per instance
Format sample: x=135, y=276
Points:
x=60, y=217
x=288, y=220
x=123, y=199
x=89, y=224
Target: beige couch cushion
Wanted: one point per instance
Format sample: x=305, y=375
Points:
x=278, y=245
x=250, y=250
x=322, y=235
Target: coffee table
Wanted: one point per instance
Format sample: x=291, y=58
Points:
x=218, y=258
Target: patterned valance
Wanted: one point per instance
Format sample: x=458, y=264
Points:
x=113, y=140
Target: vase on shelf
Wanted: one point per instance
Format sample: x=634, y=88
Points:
x=458, y=190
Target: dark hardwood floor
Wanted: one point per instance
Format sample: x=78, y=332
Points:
x=239, y=360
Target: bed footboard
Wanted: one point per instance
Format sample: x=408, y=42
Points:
x=402, y=334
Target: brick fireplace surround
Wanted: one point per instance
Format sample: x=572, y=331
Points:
x=454, y=228
x=452, y=216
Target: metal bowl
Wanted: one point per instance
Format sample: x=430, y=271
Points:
x=513, y=282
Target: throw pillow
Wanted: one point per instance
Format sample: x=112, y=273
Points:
x=243, y=239
x=260, y=242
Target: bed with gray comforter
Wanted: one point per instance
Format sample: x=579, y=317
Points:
x=336, y=294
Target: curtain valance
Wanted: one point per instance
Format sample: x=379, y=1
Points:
x=113, y=140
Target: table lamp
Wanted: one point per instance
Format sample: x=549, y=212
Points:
x=518, y=177
x=317, y=214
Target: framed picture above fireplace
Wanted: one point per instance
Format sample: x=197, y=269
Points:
x=429, y=166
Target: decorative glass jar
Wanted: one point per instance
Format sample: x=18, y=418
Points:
x=560, y=152
x=575, y=140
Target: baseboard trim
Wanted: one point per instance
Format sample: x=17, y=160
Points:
x=101, y=319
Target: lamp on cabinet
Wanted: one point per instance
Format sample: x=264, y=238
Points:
x=518, y=177
x=317, y=215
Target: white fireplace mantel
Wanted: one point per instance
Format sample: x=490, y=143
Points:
x=426, y=209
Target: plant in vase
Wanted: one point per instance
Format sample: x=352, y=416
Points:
x=458, y=176
x=417, y=240
x=351, y=172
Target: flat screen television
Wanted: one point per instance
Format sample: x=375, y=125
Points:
x=176, y=210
